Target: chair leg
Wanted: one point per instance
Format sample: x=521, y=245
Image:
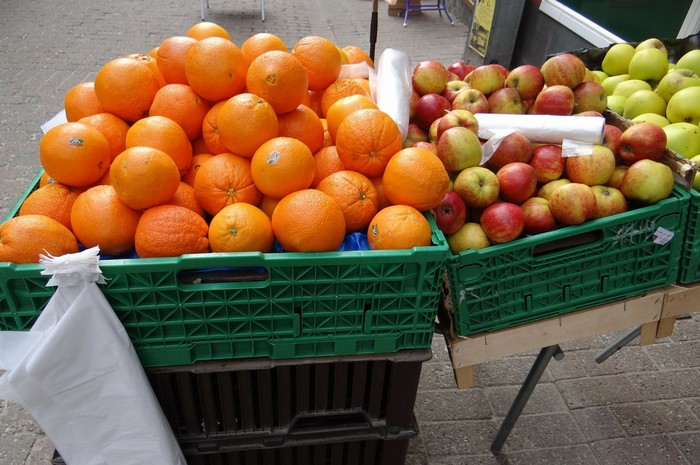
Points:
x=262, y=9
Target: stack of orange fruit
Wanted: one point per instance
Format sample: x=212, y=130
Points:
x=202, y=145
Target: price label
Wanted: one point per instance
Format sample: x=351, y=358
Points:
x=662, y=236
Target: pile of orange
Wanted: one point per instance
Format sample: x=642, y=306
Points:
x=202, y=145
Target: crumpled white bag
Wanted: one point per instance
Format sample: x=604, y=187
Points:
x=77, y=373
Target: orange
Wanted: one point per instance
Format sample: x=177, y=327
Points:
x=313, y=101
x=415, y=177
x=308, y=221
x=81, y=100
x=53, y=200
x=343, y=107
x=112, y=127
x=240, y=227
x=381, y=198
x=364, y=83
x=343, y=56
x=321, y=59
x=366, y=140
x=170, y=231
x=245, y=122
x=171, y=58
x=356, y=55
x=268, y=204
x=160, y=132
x=355, y=195
x=74, y=154
x=327, y=139
x=182, y=104
x=398, y=227
x=46, y=179
x=199, y=146
x=184, y=196
x=23, y=238
x=144, y=177
x=126, y=87
x=339, y=89
x=259, y=43
x=225, y=179
x=326, y=162
x=210, y=130
x=152, y=63
x=303, y=124
x=282, y=165
x=280, y=78
x=197, y=161
x=216, y=68
x=204, y=29
x=99, y=218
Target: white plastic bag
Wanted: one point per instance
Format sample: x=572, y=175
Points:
x=78, y=374
x=392, y=90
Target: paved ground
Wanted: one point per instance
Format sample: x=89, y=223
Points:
x=641, y=407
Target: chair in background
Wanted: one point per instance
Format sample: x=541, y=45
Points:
x=438, y=6
x=262, y=8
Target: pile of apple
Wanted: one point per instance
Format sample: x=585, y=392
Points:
x=527, y=188
x=642, y=85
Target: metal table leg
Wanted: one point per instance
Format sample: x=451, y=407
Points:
x=619, y=344
x=533, y=377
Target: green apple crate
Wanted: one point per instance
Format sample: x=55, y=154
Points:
x=216, y=306
x=568, y=269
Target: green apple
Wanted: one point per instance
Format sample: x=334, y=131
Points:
x=649, y=64
x=690, y=60
x=684, y=106
x=655, y=118
x=599, y=76
x=611, y=82
x=675, y=80
x=616, y=103
x=630, y=86
x=652, y=43
x=683, y=138
x=647, y=181
x=643, y=101
x=696, y=181
x=617, y=59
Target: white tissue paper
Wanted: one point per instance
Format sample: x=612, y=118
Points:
x=78, y=374
x=576, y=134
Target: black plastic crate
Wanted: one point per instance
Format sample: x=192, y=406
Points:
x=246, y=404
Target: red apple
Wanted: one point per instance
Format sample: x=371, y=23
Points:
x=414, y=133
x=611, y=139
x=642, y=141
x=538, y=216
x=455, y=118
x=647, y=181
x=565, y=69
x=553, y=100
x=451, y=213
x=486, y=78
x=452, y=88
x=452, y=76
x=547, y=162
x=590, y=96
x=616, y=178
x=458, y=148
x=415, y=96
x=469, y=236
x=472, y=100
x=593, y=168
x=502, y=222
x=460, y=68
x=429, y=108
x=514, y=147
x=609, y=201
x=503, y=70
x=478, y=187
x=517, y=181
x=545, y=191
x=432, y=131
x=505, y=100
x=589, y=113
x=527, y=80
x=572, y=203
x=429, y=77
x=426, y=145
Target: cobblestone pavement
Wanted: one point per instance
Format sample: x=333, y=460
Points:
x=639, y=407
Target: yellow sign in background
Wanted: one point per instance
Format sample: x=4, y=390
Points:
x=481, y=26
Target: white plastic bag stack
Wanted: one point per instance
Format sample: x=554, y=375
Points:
x=78, y=374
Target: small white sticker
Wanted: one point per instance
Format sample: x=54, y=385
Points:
x=662, y=236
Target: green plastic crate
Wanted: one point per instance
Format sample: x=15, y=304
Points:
x=238, y=305
x=566, y=269
x=690, y=258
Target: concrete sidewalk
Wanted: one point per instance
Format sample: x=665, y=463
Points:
x=641, y=407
